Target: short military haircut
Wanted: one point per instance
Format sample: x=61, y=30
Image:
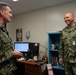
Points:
x=3, y=5
x=70, y=13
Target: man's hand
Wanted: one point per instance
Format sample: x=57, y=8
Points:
x=17, y=53
x=61, y=61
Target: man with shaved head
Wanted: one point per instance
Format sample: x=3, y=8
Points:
x=67, y=49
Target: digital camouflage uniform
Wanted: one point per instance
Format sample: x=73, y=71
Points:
x=7, y=63
x=67, y=50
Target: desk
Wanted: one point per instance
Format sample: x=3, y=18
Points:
x=30, y=68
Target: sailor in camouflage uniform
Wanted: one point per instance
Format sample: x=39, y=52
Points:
x=67, y=50
x=7, y=53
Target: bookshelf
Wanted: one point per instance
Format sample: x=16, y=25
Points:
x=53, y=46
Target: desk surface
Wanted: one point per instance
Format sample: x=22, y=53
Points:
x=32, y=62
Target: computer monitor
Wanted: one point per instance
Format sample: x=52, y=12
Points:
x=21, y=46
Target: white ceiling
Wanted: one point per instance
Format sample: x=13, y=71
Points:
x=28, y=5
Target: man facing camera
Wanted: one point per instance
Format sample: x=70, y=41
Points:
x=67, y=50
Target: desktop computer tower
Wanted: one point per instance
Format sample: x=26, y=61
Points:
x=34, y=49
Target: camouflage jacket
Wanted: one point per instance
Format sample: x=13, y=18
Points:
x=7, y=63
x=67, y=49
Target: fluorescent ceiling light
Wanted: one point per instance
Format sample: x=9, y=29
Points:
x=14, y=0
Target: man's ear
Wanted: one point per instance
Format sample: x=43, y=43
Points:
x=1, y=12
x=73, y=18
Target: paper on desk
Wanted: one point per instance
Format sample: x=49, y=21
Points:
x=43, y=67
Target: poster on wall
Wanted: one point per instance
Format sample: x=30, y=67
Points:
x=19, y=35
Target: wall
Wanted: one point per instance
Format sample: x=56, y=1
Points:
x=40, y=22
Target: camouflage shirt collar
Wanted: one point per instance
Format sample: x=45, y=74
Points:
x=67, y=28
x=3, y=28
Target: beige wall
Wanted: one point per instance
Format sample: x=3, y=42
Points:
x=40, y=22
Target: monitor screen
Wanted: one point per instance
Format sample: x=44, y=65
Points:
x=21, y=46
